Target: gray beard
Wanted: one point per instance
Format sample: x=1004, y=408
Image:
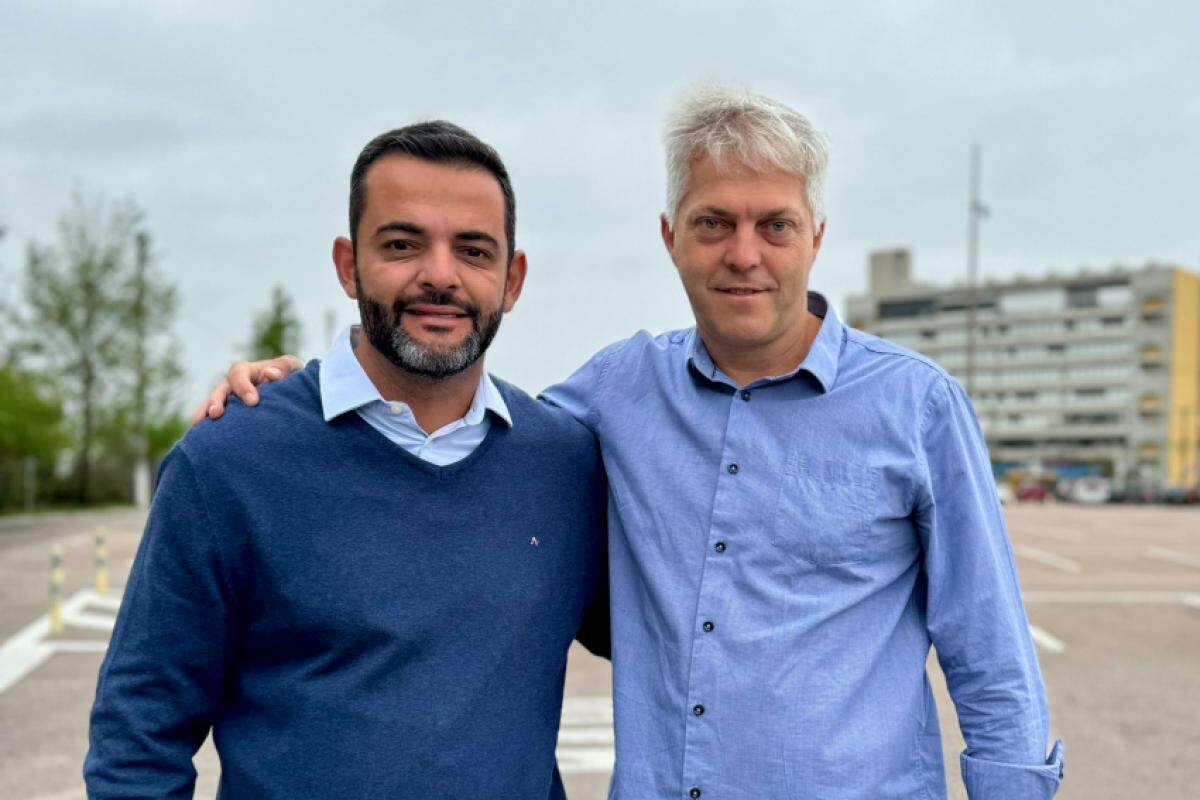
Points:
x=384, y=329
x=411, y=356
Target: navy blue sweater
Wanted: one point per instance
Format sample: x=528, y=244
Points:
x=352, y=621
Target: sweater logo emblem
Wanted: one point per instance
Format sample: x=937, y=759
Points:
x=534, y=541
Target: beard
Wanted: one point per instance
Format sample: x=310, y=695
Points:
x=384, y=329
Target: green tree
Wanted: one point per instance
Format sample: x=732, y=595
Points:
x=153, y=362
x=277, y=329
x=30, y=421
x=99, y=323
x=31, y=426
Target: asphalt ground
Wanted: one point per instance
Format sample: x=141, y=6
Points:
x=1113, y=593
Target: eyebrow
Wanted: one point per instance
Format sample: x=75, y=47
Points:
x=716, y=211
x=399, y=226
x=713, y=210
x=476, y=236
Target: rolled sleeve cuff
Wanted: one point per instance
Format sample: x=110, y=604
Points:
x=995, y=780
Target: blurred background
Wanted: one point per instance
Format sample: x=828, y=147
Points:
x=1011, y=192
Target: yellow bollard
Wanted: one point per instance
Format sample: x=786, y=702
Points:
x=101, y=553
x=56, y=582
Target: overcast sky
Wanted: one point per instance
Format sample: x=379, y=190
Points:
x=234, y=126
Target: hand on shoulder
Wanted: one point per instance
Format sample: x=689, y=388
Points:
x=241, y=379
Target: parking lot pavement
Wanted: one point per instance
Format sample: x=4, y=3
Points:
x=1112, y=592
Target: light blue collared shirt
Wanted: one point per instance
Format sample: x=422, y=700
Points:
x=346, y=387
x=782, y=556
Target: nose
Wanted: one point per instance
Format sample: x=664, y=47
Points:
x=742, y=252
x=439, y=271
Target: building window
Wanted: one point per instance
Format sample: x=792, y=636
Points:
x=1081, y=297
x=895, y=309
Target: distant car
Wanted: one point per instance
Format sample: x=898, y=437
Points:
x=1032, y=493
x=1180, y=495
x=1144, y=493
x=1090, y=490
x=1150, y=494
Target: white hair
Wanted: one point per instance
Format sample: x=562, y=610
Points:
x=722, y=122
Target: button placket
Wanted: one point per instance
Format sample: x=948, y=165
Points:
x=699, y=742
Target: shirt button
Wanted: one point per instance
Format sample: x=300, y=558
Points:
x=708, y=626
x=746, y=395
x=397, y=408
x=719, y=547
x=732, y=469
x=694, y=793
x=698, y=710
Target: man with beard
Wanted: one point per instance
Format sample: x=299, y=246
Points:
x=357, y=608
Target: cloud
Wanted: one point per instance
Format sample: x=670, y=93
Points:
x=75, y=133
x=235, y=128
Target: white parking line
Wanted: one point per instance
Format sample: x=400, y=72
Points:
x=82, y=646
x=1047, y=641
x=1048, y=558
x=29, y=649
x=583, y=710
x=1116, y=598
x=586, y=761
x=592, y=735
x=23, y=653
x=1173, y=557
x=585, y=739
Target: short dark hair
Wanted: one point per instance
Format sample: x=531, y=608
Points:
x=438, y=142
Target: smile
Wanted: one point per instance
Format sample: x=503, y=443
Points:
x=436, y=313
x=741, y=292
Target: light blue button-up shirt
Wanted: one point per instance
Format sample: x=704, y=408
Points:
x=782, y=556
x=346, y=387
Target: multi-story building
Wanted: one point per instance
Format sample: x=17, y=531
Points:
x=1089, y=371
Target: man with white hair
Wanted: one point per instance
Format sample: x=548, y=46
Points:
x=797, y=511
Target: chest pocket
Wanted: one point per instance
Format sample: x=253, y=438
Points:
x=825, y=509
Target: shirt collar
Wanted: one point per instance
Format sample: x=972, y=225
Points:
x=821, y=362
x=345, y=386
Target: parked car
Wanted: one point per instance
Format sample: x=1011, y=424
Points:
x=1181, y=495
x=1032, y=492
x=1089, y=490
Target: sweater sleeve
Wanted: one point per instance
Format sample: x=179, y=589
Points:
x=163, y=677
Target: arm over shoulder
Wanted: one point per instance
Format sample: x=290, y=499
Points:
x=579, y=395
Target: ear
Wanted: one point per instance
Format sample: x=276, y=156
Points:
x=516, y=280
x=668, y=235
x=818, y=237
x=343, y=262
